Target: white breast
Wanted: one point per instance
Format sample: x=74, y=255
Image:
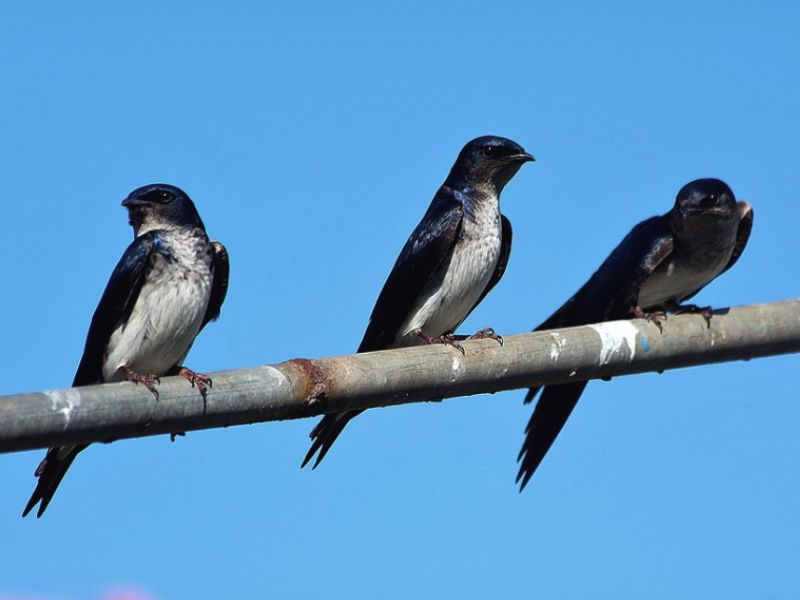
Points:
x=455, y=289
x=168, y=312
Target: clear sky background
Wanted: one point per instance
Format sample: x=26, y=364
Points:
x=312, y=137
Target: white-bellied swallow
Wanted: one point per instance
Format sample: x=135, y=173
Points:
x=661, y=263
x=454, y=257
x=169, y=283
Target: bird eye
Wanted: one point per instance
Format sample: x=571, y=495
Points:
x=710, y=201
x=490, y=151
x=159, y=196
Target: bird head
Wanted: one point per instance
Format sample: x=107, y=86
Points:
x=158, y=206
x=489, y=160
x=703, y=204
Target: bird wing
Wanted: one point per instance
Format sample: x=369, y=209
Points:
x=430, y=244
x=220, y=270
x=116, y=305
x=612, y=290
x=743, y=234
x=502, y=260
x=611, y=293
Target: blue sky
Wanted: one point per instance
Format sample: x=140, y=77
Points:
x=312, y=137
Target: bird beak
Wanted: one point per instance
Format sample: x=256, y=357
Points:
x=523, y=157
x=131, y=202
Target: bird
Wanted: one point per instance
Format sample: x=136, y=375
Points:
x=453, y=258
x=661, y=263
x=170, y=282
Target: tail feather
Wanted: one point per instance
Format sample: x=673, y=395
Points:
x=549, y=416
x=531, y=394
x=50, y=473
x=325, y=434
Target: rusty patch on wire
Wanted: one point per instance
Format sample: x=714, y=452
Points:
x=316, y=382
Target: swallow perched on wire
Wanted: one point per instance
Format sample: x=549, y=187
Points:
x=454, y=257
x=661, y=263
x=169, y=283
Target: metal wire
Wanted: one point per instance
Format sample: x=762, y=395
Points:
x=302, y=387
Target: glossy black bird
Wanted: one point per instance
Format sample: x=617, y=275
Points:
x=168, y=284
x=662, y=262
x=455, y=255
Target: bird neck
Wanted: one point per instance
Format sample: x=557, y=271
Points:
x=479, y=202
x=167, y=226
x=472, y=191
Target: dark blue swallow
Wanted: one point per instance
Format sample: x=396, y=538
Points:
x=661, y=263
x=168, y=284
x=454, y=257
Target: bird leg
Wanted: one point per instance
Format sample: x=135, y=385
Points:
x=448, y=339
x=487, y=333
x=202, y=382
x=692, y=309
x=147, y=381
x=656, y=317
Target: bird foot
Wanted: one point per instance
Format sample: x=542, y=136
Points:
x=692, y=309
x=487, y=333
x=202, y=382
x=147, y=381
x=447, y=339
x=656, y=317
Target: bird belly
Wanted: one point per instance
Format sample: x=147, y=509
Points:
x=676, y=282
x=161, y=328
x=454, y=290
